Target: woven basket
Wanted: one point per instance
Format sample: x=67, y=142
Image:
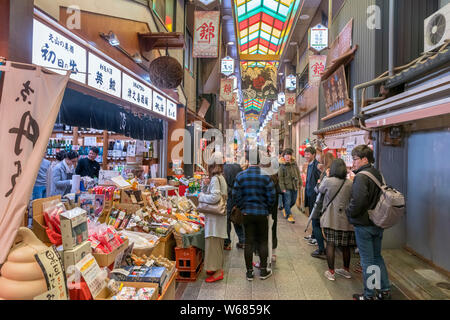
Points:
x=166, y=72
x=178, y=239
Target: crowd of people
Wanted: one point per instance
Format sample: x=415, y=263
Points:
x=336, y=200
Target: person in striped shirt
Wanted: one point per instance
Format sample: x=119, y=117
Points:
x=254, y=193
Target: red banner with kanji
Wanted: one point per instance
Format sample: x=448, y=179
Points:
x=206, y=34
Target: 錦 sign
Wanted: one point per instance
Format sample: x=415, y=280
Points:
x=206, y=34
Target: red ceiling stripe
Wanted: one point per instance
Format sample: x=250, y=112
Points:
x=243, y=24
x=254, y=19
x=267, y=19
x=278, y=24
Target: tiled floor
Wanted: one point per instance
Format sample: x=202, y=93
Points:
x=298, y=276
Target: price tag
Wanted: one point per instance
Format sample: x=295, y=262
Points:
x=91, y=273
x=150, y=263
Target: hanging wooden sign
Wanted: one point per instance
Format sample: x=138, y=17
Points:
x=226, y=90
x=336, y=94
x=317, y=65
x=291, y=102
x=232, y=104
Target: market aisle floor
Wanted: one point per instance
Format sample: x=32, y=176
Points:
x=298, y=276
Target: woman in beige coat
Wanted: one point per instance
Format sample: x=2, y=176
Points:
x=336, y=228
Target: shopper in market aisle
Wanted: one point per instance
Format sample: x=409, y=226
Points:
x=336, y=227
x=255, y=194
x=290, y=180
x=62, y=174
x=89, y=166
x=312, y=176
x=230, y=171
x=40, y=186
x=326, y=159
x=59, y=157
x=364, y=197
x=280, y=197
x=215, y=225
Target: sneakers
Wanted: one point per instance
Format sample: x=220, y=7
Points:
x=250, y=275
x=330, y=276
x=256, y=264
x=358, y=296
x=318, y=254
x=227, y=247
x=312, y=242
x=307, y=238
x=265, y=274
x=284, y=214
x=344, y=273
x=384, y=295
x=291, y=219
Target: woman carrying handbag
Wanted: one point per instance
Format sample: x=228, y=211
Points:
x=212, y=204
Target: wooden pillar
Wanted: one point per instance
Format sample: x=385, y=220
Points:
x=105, y=149
x=16, y=30
x=75, y=136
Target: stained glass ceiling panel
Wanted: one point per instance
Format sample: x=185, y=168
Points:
x=264, y=25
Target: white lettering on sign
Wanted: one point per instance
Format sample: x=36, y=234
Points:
x=51, y=49
x=136, y=92
x=159, y=103
x=103, y=76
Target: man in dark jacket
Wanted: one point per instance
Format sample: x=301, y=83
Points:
x=88, y=166
x=312, y=176
x=230, y=171
x=365, y=195
x=289, y=180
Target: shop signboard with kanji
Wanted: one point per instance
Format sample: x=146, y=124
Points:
x=159, y=103
x=136, y=92
x=206, y=34
x=335, y=91
x=103, y=76
x=317, y=64
x=227, y=66
x=318, y=37
x=51, y=49
x=226, y=90
x=171, y=109
x=290, y=103
x=232, y=104
x=291, y=82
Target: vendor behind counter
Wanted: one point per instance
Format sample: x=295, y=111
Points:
x=89, y=166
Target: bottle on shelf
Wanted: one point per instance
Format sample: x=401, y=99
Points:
x=124, y=150
x=150, y=150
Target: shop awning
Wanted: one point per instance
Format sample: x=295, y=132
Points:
x=343, y=139
x=335, y=127
x=82, y=110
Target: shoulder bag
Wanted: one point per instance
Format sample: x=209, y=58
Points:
x=218, y=208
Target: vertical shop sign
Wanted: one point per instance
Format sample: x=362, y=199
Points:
x=159, y=103
x=291, y=82
x=28, y=109
x=291, y=102
x=226, y=90
x=103, y=76
x=319, y=37
x=52, y=49
x=227, y=66
x=232, y=104
x=281, y=99
x=136, y=92
x=317, y=65
x=171, y=109
x=206, y=34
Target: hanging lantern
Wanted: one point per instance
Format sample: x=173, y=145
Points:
x=166, y=72
x=301, y=150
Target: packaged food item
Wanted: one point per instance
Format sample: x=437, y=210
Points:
x=145, y=293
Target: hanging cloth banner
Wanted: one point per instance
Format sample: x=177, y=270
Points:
x=259, y=83
x=232, y=104
x=226, y=90
x=317, y=65
x=291, y=102
x=206, y=34
x=28, y=110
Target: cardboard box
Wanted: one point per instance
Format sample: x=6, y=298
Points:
x=157, y=275
x=39, y=226
x=106, y=259
x=105, y=294
x=74, y=228
x=71, y=257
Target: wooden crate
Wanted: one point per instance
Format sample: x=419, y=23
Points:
x=168, y=292
x=38, y=218
x=166, y=247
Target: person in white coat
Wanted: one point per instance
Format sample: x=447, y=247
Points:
x=215, y=225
